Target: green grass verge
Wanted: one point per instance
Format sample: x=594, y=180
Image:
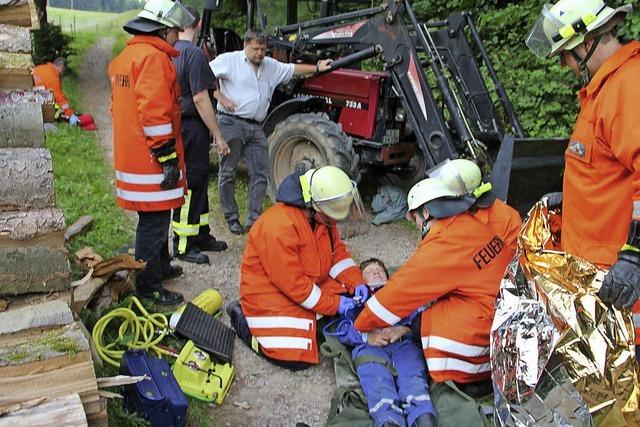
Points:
x=88, y=21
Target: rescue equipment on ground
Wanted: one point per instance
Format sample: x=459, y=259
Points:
x=558, y=354
x=136, y=331
x=209, y=301
x=158, y=398
x=200, y=377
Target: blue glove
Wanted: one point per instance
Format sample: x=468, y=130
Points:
x=554, y=200
x=346, y=304
x=362, y=293
x=349, y=335
x=73, y=120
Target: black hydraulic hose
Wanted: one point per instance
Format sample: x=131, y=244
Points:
x=506, y=102
x=456, y=114
x=367, y=53
x=364, y=13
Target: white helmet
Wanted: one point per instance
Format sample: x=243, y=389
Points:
x=330, y=190
x=439, y=199
x=462, y=176
x=564, y=25
x=158, y=14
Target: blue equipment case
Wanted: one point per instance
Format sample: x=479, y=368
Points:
x=160, y=399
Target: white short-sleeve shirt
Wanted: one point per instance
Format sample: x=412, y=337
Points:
x=250, y=91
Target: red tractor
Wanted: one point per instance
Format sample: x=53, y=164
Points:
x=402, y=96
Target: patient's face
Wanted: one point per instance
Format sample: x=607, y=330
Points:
x=374, y=275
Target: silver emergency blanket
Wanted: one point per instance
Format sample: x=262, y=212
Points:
x=559, y=356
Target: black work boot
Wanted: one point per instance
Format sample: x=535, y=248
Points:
x=235, y=227
x=194, y=256
x=425, y=420
x=210, y=243
x=173, y=272
x=162, y=297
x=239, y=322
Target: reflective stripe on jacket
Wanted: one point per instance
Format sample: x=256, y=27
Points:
x=47, y=75
x=602, y=173
x=288, y=275
x=459, y=264
x=146, y=114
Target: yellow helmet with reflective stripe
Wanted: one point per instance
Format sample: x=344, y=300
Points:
x=565, y=24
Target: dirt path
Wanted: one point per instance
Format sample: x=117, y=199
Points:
x=261, y=394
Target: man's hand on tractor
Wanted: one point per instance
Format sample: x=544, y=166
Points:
x=621, y=285
x=362, y=293
x=554, y=200
x=166, y=155
x=323, y=65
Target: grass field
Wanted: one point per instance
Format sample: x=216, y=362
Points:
x=73, y=21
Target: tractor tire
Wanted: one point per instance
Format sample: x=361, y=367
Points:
x=307, y=141
x=407, y=180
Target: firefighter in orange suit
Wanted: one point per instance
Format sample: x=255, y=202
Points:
x=148, y=151
x=295, y=267
x=457, y=268
x=601, y=189
x=48, y=75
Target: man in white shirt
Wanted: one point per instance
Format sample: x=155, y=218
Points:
x=246, y=81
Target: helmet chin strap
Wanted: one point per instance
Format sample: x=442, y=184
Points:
x=582, y=62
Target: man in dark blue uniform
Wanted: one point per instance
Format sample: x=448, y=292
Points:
x=191, y=222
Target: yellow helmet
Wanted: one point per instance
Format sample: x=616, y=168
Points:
x=157, y=14
x=427, y=190
x=330, y=191
x=565, y=24
x=462, y=176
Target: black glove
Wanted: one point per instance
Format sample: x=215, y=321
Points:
x=167, y=157
x=554, y=200
x=621, y=285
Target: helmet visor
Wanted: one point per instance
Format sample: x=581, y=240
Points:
x=540, y=39
x=449, y=176
x=345, y=206
x=179, y=16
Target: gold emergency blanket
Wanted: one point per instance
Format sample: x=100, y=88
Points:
x=559, y=356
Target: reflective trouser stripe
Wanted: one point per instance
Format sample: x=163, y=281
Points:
x=204, y=219
x=383, y=402
x=285, y=342
x=183, y=229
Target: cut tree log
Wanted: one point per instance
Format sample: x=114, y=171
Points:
x=50, y=313
x=26, y=179
x=45, y=225
x=15, y=70
x=33, y=269
x=19, y=96
x=15, y=39
x=62, y=411
x=22, y=125
x=19, y=12
x=83, y=294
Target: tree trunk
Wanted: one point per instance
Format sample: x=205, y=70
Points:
x=15, y=39
x=34, y=269
x=26, y=179
x=41, y=9
x=22, y=125
x=31, y=224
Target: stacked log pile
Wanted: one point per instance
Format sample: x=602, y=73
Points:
x=45, y=354
x=47, y=376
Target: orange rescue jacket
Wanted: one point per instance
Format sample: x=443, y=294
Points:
x=47, y=75
x=601, y=188
x=289, y=274
x=146, y=114
x=459, y=265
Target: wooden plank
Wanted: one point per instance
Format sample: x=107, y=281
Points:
x=48, y=365
x=36, y=269
x=26, y=179
x=62, y=411
x=19, y=12
x=15, y=70
x=15, y=39
x=52, y=313
x=30, y=225
x=22, y=125
x=79, y=378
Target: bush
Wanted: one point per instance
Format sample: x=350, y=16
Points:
x=50, y=43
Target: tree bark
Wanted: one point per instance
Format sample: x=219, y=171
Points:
x=22, y=125
x=26, y=179
x=31, y=224
x=15, y=39
x=34, y=269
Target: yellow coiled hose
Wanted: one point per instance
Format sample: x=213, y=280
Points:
x=135, y=331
